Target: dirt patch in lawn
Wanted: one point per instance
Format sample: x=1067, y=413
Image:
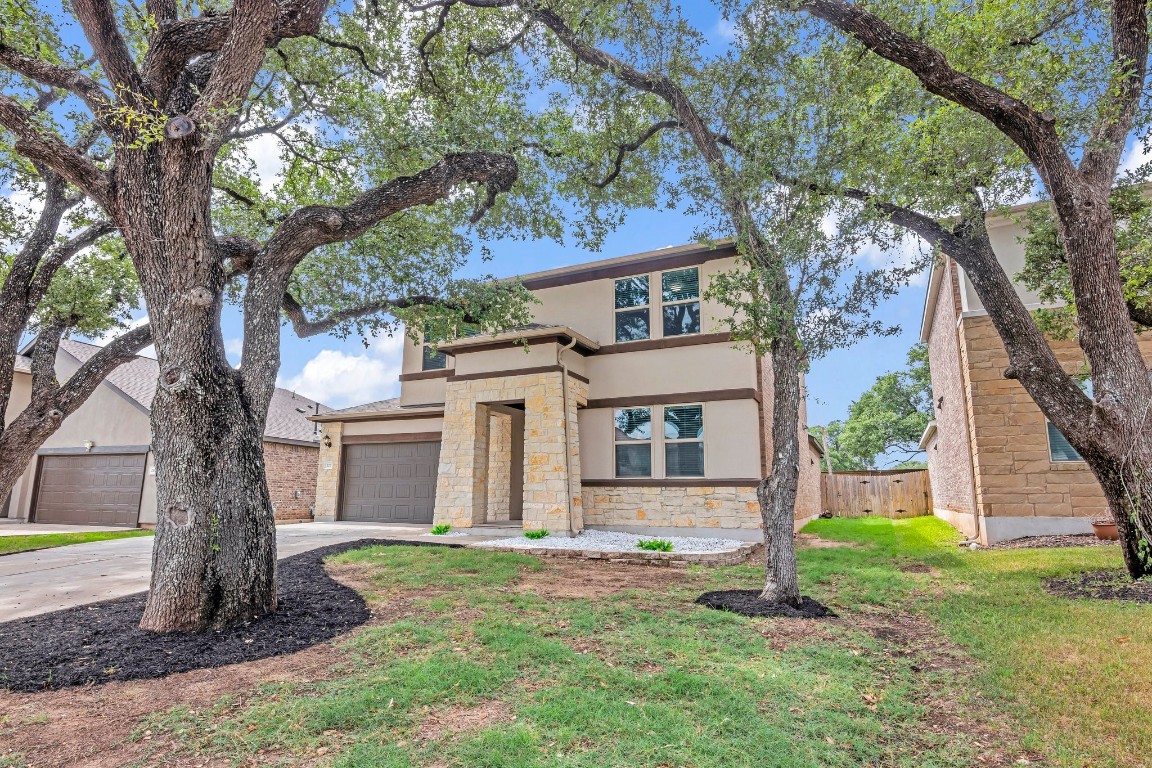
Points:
x=98, y=643
x=1101, y=585
x=812, y=541
x=1051, y=542
x=592, y=579
x=455, y=720
x=951, y=711
x=747, y=602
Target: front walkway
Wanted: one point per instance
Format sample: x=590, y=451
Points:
x=49, y=579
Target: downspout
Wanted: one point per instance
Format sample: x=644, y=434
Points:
x=567, y=437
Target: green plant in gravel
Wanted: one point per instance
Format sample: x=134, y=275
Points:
x=441, y=529
x=537, y=534
x=655, y=545
x=638, y=678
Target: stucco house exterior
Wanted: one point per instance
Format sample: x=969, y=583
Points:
x=624, y=406
x=999, y=470
x=97, y=468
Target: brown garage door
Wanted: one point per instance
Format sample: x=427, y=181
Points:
x=90, y=489
x=390, y=482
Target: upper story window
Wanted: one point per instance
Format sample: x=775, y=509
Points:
x=437, y=360
x=684, y=441
x=632, y=306
x=633, y=439
x=680, y=296
x=434, y=360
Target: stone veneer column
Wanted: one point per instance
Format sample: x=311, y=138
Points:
x=328, y=474
x=454, y=481
x=499, y=466
x=547, y=486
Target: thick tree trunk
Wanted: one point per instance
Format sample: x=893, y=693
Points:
x=214, y=561
x=777, y=492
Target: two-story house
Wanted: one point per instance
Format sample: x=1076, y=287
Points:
x=999, y=469
x=625, y=406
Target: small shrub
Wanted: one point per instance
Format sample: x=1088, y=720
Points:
x=655, y=545
x=536, y=534
x=440, y=530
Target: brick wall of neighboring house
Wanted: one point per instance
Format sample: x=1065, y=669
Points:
x=291, y=469
x=1015, y=476
x=950, y=457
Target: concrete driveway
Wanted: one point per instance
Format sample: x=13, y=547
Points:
x=50, y=579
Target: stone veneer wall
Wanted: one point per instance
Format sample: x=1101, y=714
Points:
x=291, y=469
x=462, y=486
x=1015, y=476
x=328, y=473
x=672, y=507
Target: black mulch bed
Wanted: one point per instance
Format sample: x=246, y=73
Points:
x=747, y=602
x=100, y=642
x=1052, y=542
x=1101, y=585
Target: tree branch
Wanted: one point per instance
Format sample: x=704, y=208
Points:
x=1034, y=132
x=305, y=327
x=60, y=254
x=54, y=153
x=1130, y=61
x=102, y=28
x=56, y=76
x=623, y=150
x=313, y=226
x=181, y=41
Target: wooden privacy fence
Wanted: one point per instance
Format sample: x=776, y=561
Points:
x=891, y=493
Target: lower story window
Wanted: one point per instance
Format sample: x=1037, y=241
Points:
x=684, y=441
x=633, y=438
x=1059, y=449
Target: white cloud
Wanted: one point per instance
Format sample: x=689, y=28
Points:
x=726, y=28
x=234, y=349
x=1137, y=155
x=340, y=379
x=265, y=151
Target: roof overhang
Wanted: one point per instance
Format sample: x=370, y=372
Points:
x=815, y=445
x=562, y=335
x=935, y=280
x=929, y=432
x=392, y=414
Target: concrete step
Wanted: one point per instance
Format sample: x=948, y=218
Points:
x=510, y=529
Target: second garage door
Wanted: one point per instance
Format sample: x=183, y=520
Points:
x=90, y=489
x=390, y=482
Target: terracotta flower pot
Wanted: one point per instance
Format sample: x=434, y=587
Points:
x=1106, y=530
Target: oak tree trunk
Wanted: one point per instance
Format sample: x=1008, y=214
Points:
x=777, y=492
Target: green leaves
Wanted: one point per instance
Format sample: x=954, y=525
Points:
x=889, y=418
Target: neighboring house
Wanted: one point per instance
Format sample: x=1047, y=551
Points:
x=999, y=470
x=98, y=466
x=625, y=406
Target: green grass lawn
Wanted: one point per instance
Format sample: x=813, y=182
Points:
x=13, y=544
x=942, y=657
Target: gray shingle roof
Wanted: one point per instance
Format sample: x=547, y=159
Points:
x=287, y=413
x=391, y=404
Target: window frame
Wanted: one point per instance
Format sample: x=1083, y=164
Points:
x=647, y=307
x=650, y=442
x=680, y=302
x=665, y=440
